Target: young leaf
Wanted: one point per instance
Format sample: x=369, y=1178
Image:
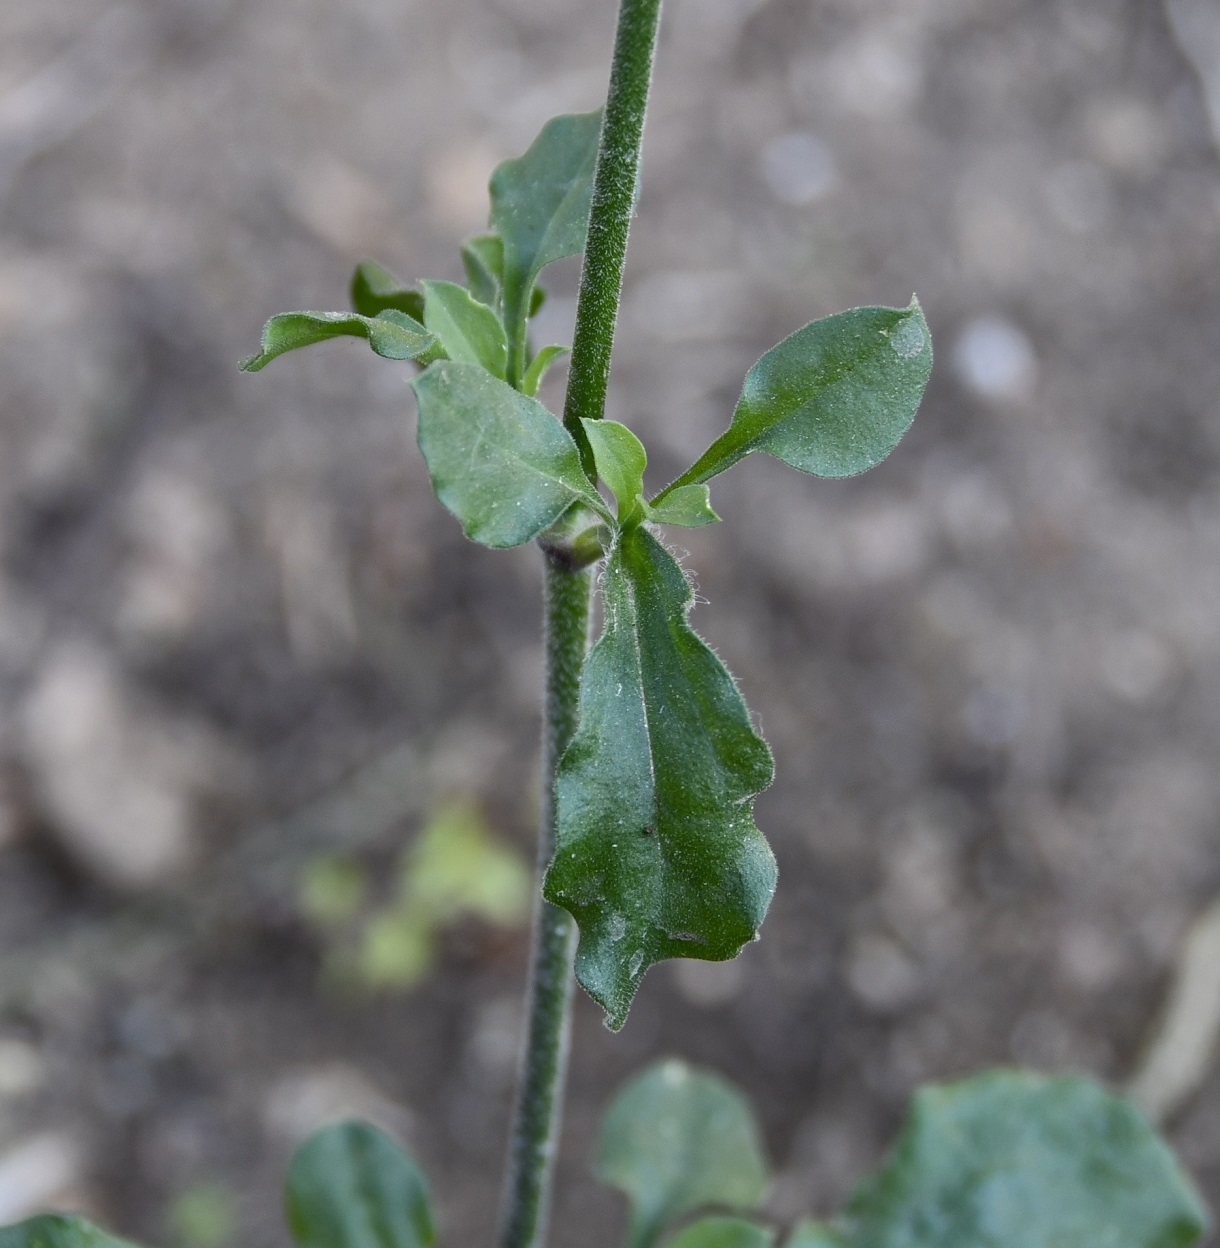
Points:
x=483, y=260
x=57, y=1230
x=1012, y=1160
x=723, y=1233
x=539, y=366
x=540, y=208
x=657, y=855
x=677, y=1140
x=375, y=290
x=469, y=331
x=688, y=505
x=394, y=335
x=620, y=458
x=832, y=399
x=351, y=1186
x=500, y=462
x=814, y=1235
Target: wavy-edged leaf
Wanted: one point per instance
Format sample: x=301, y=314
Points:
x=657, y=855
x=539, y=367
x=391, y=334
x=689, y=506
x=832, y=399
x=499, y=461
x=483, y=260
x=677, y=1140
x=540, y=207
x=720, y=1232
x=375, y=289
x=620, y=458
x=351, y=1186
x=1014, y=1160
x=469, y=331
x=57, y=1230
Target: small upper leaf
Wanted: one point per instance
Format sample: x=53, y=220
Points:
x=688, y=505
x=469, y=331
x=392, y=334
x=540, y=207
x=1012, y=1160
x=832, y=399
x=500, y=462
x=658, y=855
x=810, y=1234
x=57, y=1230
x=539, y=366
x=677, y=1140
x=718, y=1232
x=351, y=1186
x=483, y=260
x=375, y=290
x=620, y=458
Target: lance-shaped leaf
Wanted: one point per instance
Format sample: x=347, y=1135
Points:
x=483, y=260
x=677, y=1140
x=56, y=1230
x=351, y=1186
x=832, y=399
x=375, y=289
x=540, y=207
x=500, y=462
x=392, y=334
x=657, y=854
x=620, y=459
x=469, y=331
x=1012, y=1160
x=539, y=367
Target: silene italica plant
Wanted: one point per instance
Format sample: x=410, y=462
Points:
x=648, y=846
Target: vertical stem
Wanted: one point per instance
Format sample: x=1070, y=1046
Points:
x=540, y=1089
x=616, y=187
x=535, y=1131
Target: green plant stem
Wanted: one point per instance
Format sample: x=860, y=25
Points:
x=540, y=1090
x=615, y=190
x=535, y=1130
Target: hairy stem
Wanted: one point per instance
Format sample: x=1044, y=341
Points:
x=616, y=187
x=540, y=1090
x=535, y=1131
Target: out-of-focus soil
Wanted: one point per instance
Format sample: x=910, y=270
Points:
x=237, y=631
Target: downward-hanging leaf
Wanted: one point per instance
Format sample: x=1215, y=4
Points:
x=677, y=1140
x=374, y=290
x=56, y=1230
x=723, y=1233
x=657, y=856
x=1012, y=1160
x=540, y=208
x=351, y=1186
x=500, y=462
x=832, y=399
x=392, y=334
x=469, y=331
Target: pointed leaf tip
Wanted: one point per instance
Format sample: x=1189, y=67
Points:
x=392, y=334
x=658, y=855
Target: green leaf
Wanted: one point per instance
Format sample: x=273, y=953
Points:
x=677, y=1140
x=351, y=1186
x=1012, y=1160
x=814, y=1235
x=620, y=458
x=723, y=1233
x=483, y=260
x=469, y=331
x=57, y=1230
x=538, y=368
x=375, y=290
x=657, y=856
x=500, y=462
x=832, y=399
x=394, y=335
x=540, y=208
x=688, y=505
